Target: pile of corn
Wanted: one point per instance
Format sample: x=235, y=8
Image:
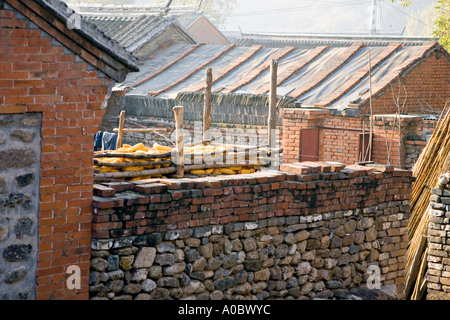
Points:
x=202, y=149
x=198, y=151
x=139, y=148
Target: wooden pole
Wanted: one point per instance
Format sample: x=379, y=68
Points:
x=272, y=117
x=178, y=111
x=207, y=108
x=120, y=130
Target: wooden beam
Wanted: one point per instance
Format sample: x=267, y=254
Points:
x=207, y=107
x=178, y=111
x=272, y=117
x=120, y=130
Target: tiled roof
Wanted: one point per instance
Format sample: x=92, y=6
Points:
x=131, y=31
x=133, y=25
x=325, y=77
x=310, y=41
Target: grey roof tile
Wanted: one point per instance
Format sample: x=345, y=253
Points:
x=130, y=30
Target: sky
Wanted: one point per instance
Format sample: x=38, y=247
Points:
x=319, y=16
x=323, y=16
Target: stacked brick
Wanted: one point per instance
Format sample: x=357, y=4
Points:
x=308, y=232
x=438, y=279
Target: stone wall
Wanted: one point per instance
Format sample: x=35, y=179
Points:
x=309, y=232
x=438, y=278
x=20, y=140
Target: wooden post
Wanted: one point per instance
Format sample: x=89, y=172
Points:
x=178, y=111
x=207, y=108
x=272, y=117
x=120, y=131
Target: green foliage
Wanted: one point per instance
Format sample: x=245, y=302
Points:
x=403, y=3
x=442, y=23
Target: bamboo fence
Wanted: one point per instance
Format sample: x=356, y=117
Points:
x=431, y=164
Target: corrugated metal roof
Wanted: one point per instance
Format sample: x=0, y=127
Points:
x=341, y=69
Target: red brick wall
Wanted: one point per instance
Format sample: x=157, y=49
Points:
x=339, y=136
x=423, y=90
x=343, y=142
x=38, y=75
x=427, y=88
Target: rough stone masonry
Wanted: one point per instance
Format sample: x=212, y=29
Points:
x=438, y=236
x=310, y=232
x=19, y=204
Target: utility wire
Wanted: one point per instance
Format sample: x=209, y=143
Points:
x=408, y=15
x=324, y=4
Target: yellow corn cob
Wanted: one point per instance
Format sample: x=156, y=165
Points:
x=217, y=171
x=105, y=169
x=198, y=172
x=209, y=171
x=235, y=168
x=120, y=150
x=226, y=171
x=244, y=171
x=161, y=148
x=133, y=168
x=136, y=147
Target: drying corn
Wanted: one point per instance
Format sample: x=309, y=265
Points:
x=140, y=162
x=138, y=159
